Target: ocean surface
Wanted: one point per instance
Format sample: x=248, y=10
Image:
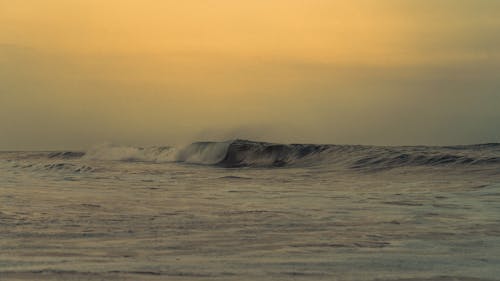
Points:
x=243, y=210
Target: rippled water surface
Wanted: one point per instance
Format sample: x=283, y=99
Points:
x=251, y=213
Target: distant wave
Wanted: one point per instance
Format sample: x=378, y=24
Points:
x=131, y=154
x=66, y=155
x=56, y=166
x=67, y=167
x=245, y=153
x=242, y=153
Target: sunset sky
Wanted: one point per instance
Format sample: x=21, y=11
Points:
x=74, y=73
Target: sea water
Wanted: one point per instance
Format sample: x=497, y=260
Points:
x=242, y=210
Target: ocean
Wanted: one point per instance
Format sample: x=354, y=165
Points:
x=244, y=210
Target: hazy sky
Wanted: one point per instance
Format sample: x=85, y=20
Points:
x=74, y=73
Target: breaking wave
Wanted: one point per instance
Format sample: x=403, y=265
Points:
x=210, y=153
x=244, y=153
x=241, y=153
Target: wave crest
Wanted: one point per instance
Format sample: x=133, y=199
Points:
x=241, y=153
x=209, y=153
x=244, y=153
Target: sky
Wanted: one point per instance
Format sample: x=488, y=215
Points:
x=75, y=73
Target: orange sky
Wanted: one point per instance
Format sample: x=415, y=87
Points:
x=77, y=72
x=360, y=31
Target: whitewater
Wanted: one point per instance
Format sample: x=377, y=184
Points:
x=246, y=210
